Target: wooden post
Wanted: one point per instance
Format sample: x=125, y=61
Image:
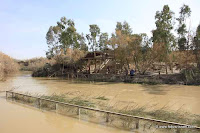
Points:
x=89, y=68
x=6, y=95
x=78, y=111
x=12, y=96
x=178, y=130
x=39, y=102
x=107, y=117
x=137, y=124
x=56, y=106
x=95, y=66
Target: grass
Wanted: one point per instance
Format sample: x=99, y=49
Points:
x=76, y=100
x=81, y=102
x=121, y=121
x=60, y=98
x=102, y=98
x=166, y=115
x=160, y=114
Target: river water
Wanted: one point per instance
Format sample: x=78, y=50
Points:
x=171, y=97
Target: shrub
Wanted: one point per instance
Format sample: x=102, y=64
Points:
x=192, y=76
x=7, y=66
x=36, y=63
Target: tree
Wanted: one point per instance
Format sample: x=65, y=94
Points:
x=119, y=43
x=185, y=12
x=82, y=43
x=63, y=40
x=92, y=37
x=103, y=41
x=140, y=47
x=163, y=39
x=63, y=36
x=196, y=46
x=124, y=28
x=52, y=42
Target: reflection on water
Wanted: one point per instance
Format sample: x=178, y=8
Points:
x=173, y=96
x=156, y=89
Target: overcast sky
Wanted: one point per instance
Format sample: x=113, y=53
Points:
x=24, y=23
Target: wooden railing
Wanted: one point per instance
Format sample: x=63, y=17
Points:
x=138, y=118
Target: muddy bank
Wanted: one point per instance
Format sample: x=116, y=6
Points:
x=185, y=77
x=140, y=79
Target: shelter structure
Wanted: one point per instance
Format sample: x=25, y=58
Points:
x=97, y=61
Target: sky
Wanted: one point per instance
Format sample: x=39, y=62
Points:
x=24, y=23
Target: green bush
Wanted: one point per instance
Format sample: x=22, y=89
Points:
x=191, y=76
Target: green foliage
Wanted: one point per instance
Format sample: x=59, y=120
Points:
x=192, y=76
x=196, y=46
x=162, y=35
x=92, y=37
x=60, y=98
x=124, y=28
x=76, y=100
x=63, y=36
x=182, y=31
x=102, y=98
x=81, y=102
x=103, y=40
x=143, y=55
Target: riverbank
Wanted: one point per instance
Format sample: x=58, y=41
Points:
x=185, y=77
x=138, y=79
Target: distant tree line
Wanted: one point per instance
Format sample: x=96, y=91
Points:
x=66, y=45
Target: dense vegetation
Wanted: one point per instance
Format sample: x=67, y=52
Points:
x=137, y=51
x=7, y=66
x=35, y=63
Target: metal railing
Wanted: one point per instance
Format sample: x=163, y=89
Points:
x=138, y=118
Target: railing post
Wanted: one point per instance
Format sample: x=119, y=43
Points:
x=137, y=124
x=107, y=117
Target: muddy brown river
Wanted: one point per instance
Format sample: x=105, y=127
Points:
x=25, y=119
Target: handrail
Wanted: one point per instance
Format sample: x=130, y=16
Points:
x=109, y=112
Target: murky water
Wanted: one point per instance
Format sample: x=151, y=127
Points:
x=17, y=118
x=173, y=97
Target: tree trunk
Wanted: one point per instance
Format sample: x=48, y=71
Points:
x=127, y=63
x=95, y=66
x=166, y=69
x=62, y=68
x=136, y=65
